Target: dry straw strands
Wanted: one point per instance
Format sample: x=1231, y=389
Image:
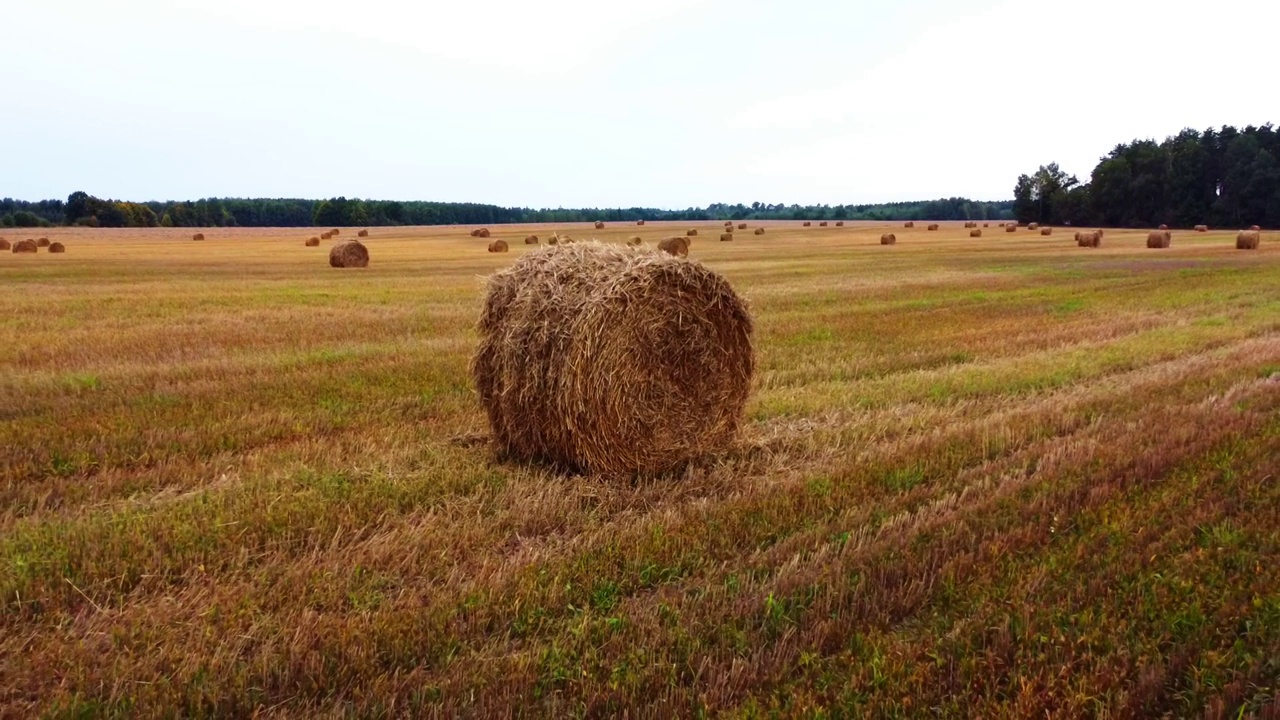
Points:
x=313, y=242
x=530, y=239
x=349, y=254
x=933, y=227
x=612, y=360
x=198, y=236
x=975, y=233
x=363, y=233
x=498, y=246
x=1158, y=239
x=1248, y=240
x=25, y=246
x=888, y=239
x=677, y=246
x=1046, y=231
x=57, y=247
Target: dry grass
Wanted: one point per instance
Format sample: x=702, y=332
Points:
x=975, y=480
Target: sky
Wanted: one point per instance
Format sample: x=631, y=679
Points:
x=584, y=103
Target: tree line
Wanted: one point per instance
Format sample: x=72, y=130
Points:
x=84, y=209
x=1220, y=177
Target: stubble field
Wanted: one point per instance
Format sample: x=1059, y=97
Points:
x=1000, y=476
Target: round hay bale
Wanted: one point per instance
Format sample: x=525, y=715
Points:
x=908, y=225
x=1158, y=239
x=363, y=233
x=498, y=246
x=635, y=241
x=986, y=225
x=25, y=246
x=599, y=225
x=42, y=242
x=1089, y=239
x=822, y=224
x=325, y=236
x=648, y=365
x=726, y=237
x=888, y=239
x=933, y=227
x=759, y=231
x=1163, y=227
x=4, y=244
x=482, y=233
x=975, y=233
x=639, y=222
x=691, y=233
x=553, y=240
x=728, y=223
x=808, y=224
x=1248, y=240
x=839, y=223
x=1010, y=228
x=335, y=232
x=198, y=236
x=530, y=239
x=1033, y=226
x=313, y=242
x=1046, y=231
x=349, y=254
x=742, y=226
x=677, y=246
x=1202, y=228
x=57, y=247
x=1254, y=228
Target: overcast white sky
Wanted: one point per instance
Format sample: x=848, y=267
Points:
x=666, y=103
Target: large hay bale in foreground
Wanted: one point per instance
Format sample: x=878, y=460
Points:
x=1248, y=240
x=363, y=233
x=975, y=233
x=5, y=244
x=1046, y=231
x=1202, y=228
x=635, y=241
x=498, y=246
x=25, y=246
x=677, y=246
x=726, y=237
x=759, y=231
x=599, y=225
x=602, y=359
x=933, y=227
x=888, y=239
x=198, y=236
x=313, y=242
x=57, y=247
x=530, y=239
x=1158, y=239
x=349, y=254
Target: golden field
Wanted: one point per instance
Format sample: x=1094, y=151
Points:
x=991, y=477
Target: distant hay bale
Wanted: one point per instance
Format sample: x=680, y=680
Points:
x=599, y=225
x=553, y=240
x=498, y=246
x=635, y=241
x=1089, y=239
x=726, y=237
x=728, y=223
x=1163, y=227
x=1046, y=231
x=1010, y=228
x=198, y=236
x=808, y=224
x=363, y=233
x=742, y=226
x=975, y=233
x=482, y=233
x=970, y=224
x=691, y=233
x=335, y=232
x=25, y=246
x=349, y=254
x=986, y=224
x=1254, y=228
x=1248, y=240
x=888, y=239
x=1202, y=228
x=530, y=239
x=325, y=236
x=42, y=242
x=648, y=367
x=932, y=227
x=908, y=224
x=5, y=244
x=759, y=231
x=313, y=242
x=677, y=246
x=1158, y=239
x=640, y=222
x=1033, y=226
x=57, y=247
x=839, y=223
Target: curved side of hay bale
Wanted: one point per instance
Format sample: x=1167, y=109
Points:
x=325, y=236
x=599, y=225
x=1010, y=228
x=5, y=244
x=42, y=242
x=888, y=239
x=692, y=232
x=759, y=231
x=363, y=233
x=647, y=365
x=1046, y=231
x=1158, y=239
x=933, y=227
x=313, y=242
x=1089, y=239
x=198, y=236
x=335, y=232
x=1248, y=240
x=25, y=246
x=530, y=239
x=677, y=246
x=57, y=247
x=1163, y=227
x=484, y=233
x=742, y=226
x=726, y=237
x=635, y=241
x=1254, y=228
x=349, y=254
x=498, y=246
x=1202, y=228
x=975, y=233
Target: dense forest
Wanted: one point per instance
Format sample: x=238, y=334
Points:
x=84, y=209
x=1223, y=178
